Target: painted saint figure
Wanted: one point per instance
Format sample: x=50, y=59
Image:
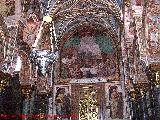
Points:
x=62, y=102
x=116, y=103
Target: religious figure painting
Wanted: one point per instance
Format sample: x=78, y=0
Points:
x=116, y=102
x=63, y=101
x=31, y=29
x=10, y=4
x=154, y=30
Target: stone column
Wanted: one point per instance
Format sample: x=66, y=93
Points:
x=27, y=92
x=41, y=106
x=143, y=113
x=153, y=73
x=50, y=108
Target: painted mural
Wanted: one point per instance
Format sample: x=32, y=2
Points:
x=154, y=32
x=114, y=101
x=62, y=101
x=31, y=29
x=88, y=57
x=7, y=7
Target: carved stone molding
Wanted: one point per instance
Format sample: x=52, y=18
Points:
x=155, y=66
x=92, y=80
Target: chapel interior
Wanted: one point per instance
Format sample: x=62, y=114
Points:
x=80, y=59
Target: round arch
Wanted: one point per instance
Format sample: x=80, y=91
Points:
x=95, y=26
x=95, y=29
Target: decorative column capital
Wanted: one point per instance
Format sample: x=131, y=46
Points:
x=142, y=88
x=4, y=80
x=3, y=84
x=133, y=95
x=154, y=74
x=26, y=90
x=155, y=66
x=127, y=2
x=139, y=91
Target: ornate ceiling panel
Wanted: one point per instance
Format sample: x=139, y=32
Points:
x=69, y=14
x=85, y=5
x=73, y=23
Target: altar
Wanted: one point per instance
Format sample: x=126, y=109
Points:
x=92, y=98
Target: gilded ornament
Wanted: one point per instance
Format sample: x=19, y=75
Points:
x=3, y=84
x=127, y=3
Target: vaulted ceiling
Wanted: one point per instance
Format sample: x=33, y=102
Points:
x=71, y=14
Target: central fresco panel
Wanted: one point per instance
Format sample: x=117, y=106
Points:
x=88, y=55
